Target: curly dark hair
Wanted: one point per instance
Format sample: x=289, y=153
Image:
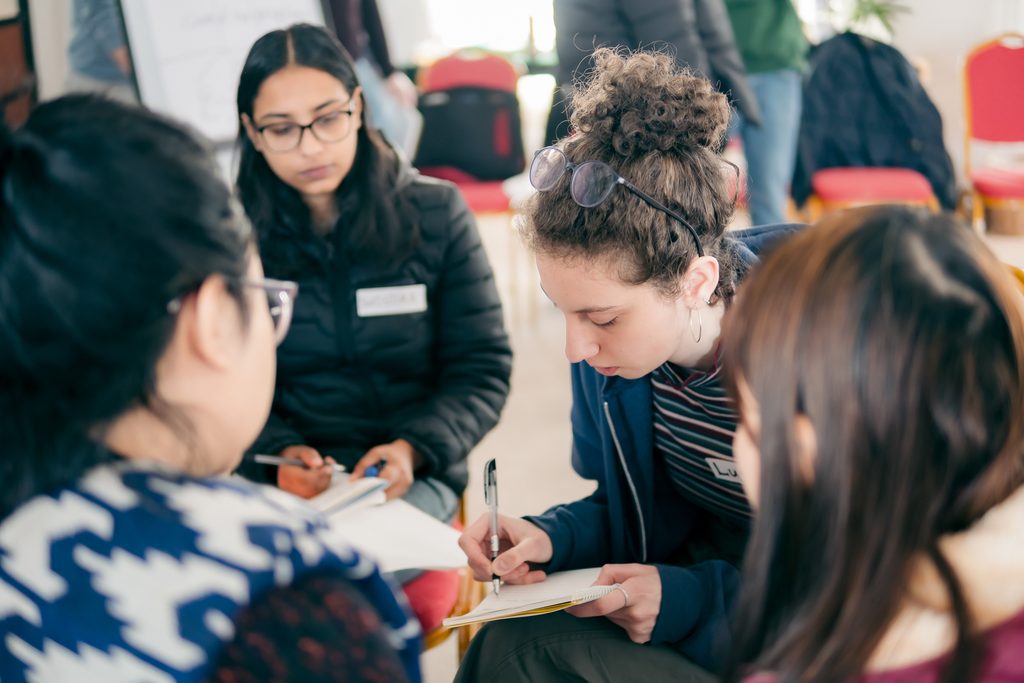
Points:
x=662, y=128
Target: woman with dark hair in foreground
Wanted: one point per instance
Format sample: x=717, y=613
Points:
x=137, y=337
x=878, y=360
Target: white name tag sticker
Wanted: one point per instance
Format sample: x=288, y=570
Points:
x=379, y=301
x=724, y=469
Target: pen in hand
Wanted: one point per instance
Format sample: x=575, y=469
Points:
x=375, y=470
x=264, y=459
x=491, y=499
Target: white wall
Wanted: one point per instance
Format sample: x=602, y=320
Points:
x=8, y=9
x=51, y=32
x=407, y=26
x=942, y=32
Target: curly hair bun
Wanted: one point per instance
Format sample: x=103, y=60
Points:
x=643, y=102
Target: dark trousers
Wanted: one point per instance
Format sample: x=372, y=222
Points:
x=560, y=647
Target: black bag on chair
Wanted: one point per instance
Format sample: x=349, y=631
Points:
x=476, y=130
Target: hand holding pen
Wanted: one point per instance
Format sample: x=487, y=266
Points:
x=311, y=477
x=395, y=461
x=519, y=544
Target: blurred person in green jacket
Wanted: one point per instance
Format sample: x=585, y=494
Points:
x=774, y=50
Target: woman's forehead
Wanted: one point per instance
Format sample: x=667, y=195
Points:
x=577, y=283
x=298, y=90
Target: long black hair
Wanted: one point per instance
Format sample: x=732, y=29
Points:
x=377, y=221
x=107, y=213
x=901, y=338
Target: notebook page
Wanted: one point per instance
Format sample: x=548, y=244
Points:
x=345, y=493
x=398, y=536
x=558, y=590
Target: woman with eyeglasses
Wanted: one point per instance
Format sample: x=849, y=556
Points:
x=137, y=336
x=398, y=359
x=628, y=228
x=878, y=364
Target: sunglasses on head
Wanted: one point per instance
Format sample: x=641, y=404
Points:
x=591, y=183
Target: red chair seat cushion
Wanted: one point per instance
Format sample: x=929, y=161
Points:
x=482, y=196
x=432, y=595
x=862, y=184
x=1002, y=183
x=467, y=69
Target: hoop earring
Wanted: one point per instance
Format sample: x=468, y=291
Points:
x=700, y=326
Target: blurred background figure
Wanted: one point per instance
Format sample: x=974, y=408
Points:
x=98, y=58
x=696, y=32
x=390, y=95
x=774, y=50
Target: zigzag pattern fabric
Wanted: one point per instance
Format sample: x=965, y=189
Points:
x=137, y=574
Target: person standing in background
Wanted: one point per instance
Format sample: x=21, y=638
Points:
x=98, y=59
x=696, y=32
x=774, y=50
x=390, y=95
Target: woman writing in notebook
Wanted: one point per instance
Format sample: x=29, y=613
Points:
x=137, y=335
x=398, y=358
x=628, y=228
x=879, y=364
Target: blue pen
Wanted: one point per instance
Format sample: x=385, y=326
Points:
x=375, y=470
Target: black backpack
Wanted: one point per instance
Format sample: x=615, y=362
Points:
x=864, y=106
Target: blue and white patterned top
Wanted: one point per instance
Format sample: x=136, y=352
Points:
x=137, y=572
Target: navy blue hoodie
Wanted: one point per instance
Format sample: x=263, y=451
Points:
x=636, y=515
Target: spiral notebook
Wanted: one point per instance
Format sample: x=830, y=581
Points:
x=556, y=592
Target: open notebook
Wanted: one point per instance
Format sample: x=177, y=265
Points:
x=556, y=592
x=395, y=534
x=345, y=494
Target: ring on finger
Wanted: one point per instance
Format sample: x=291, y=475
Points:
x=625, y=595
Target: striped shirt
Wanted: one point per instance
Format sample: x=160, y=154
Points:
x=694, y=423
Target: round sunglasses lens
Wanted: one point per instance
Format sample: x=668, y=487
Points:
x=592, y=182
x=547, y=167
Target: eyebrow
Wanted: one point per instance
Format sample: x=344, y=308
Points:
x=275, y=115
x=581, y=311
x=595, y=309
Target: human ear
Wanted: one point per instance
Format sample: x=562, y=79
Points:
x=215, y=321
x=251, y=132
x=806, y=447
x=700, y=281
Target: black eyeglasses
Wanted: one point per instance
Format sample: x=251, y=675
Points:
x=281, y=296
x=592, y=182
x=329, y=128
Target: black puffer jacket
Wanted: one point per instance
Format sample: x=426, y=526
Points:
x=438, y=378
x=698, y=31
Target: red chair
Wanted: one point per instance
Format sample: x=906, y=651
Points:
x=472, y=136
x=472, y=68
x=434, y=595
x=834, y=189
x=994, y=114
x=839, y=188
x=471, y=117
